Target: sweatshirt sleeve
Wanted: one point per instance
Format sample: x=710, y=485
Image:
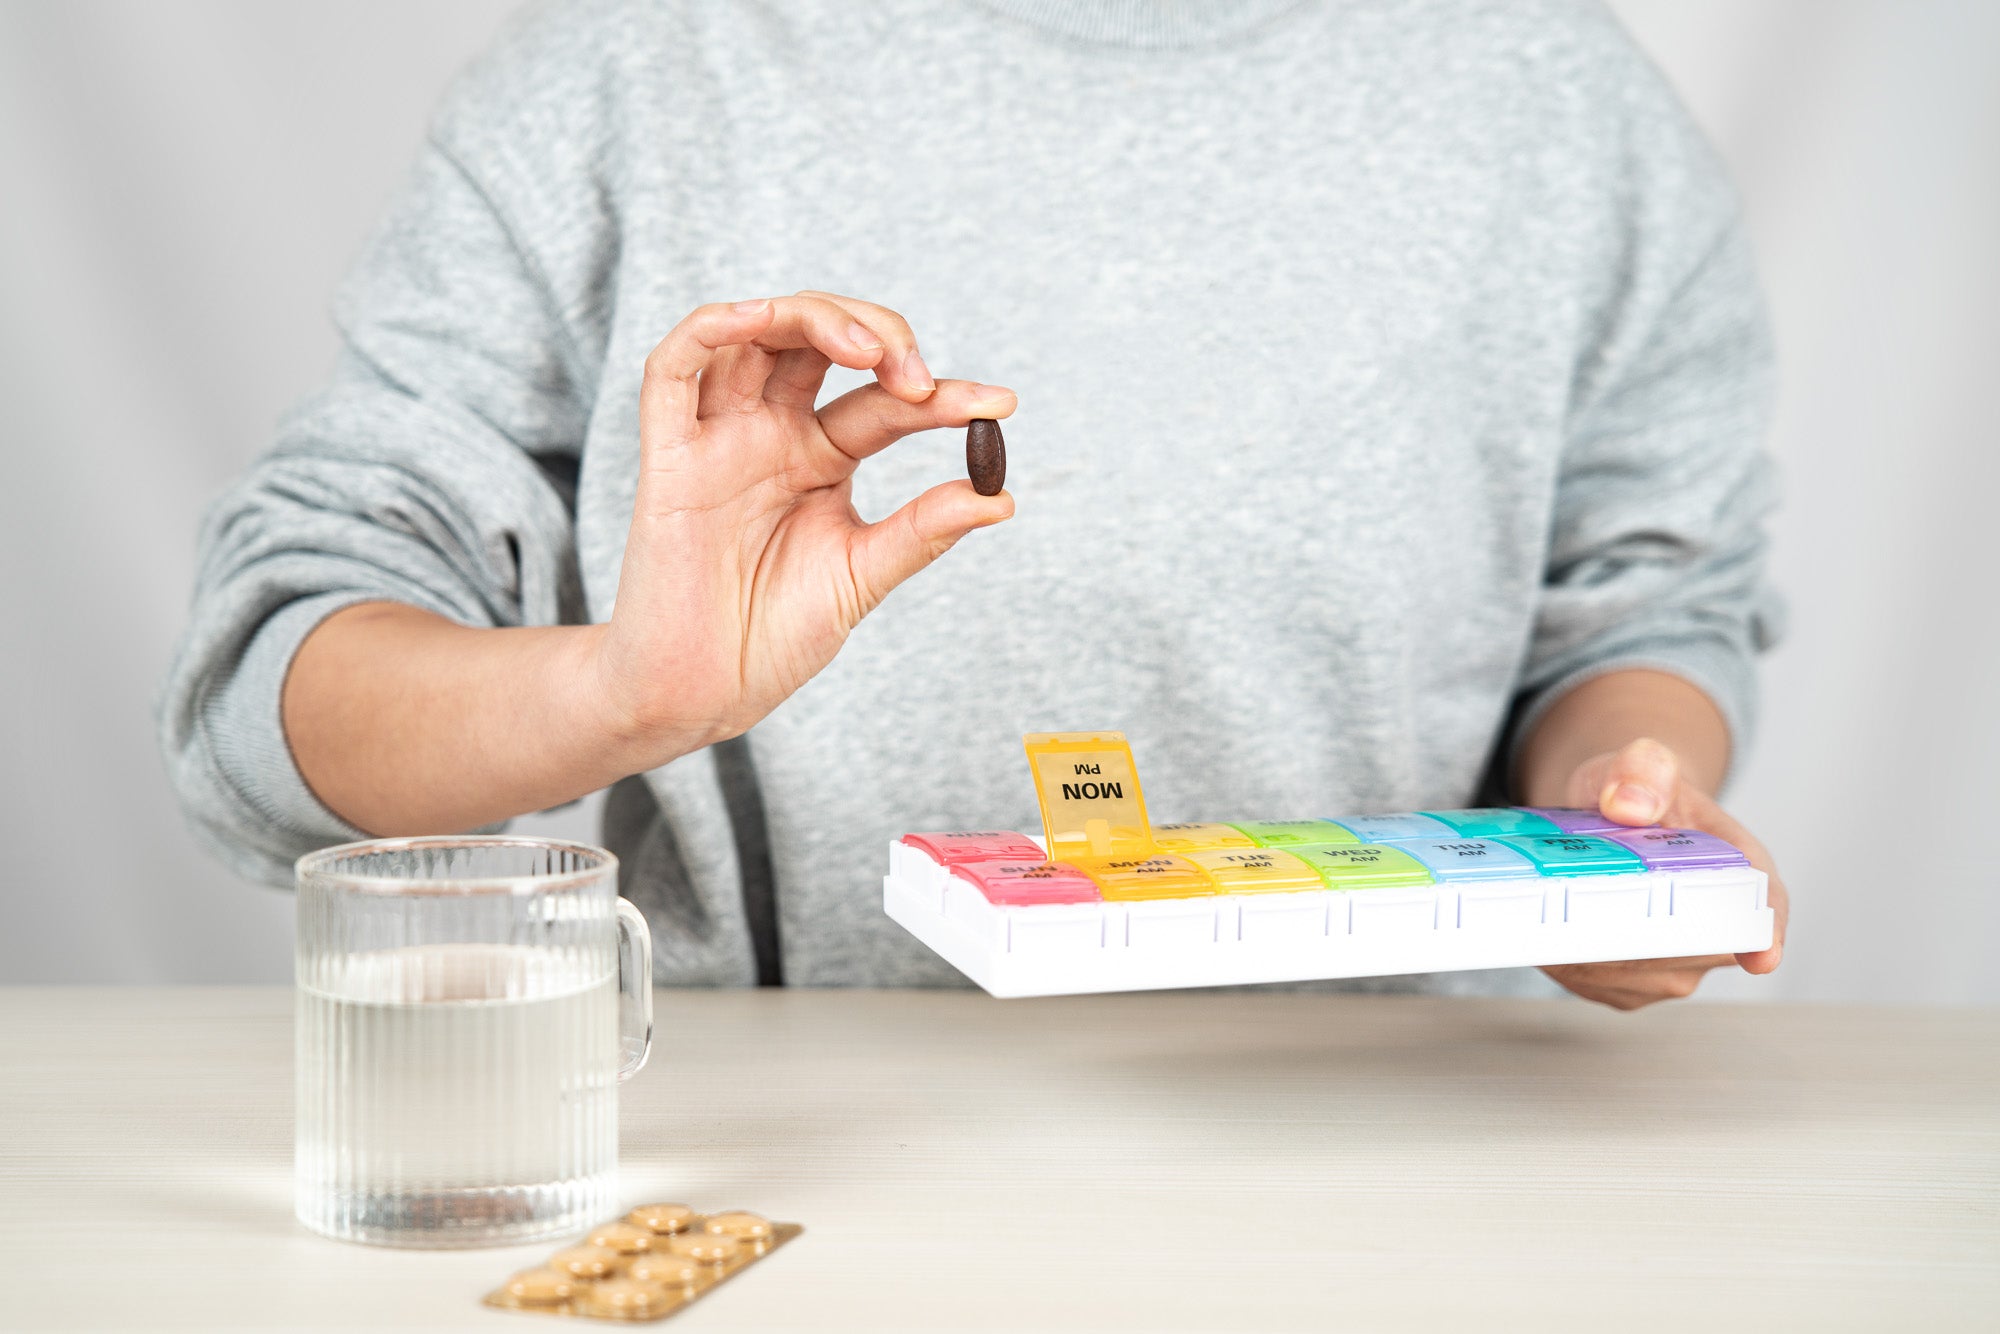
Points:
x=1656, y=547
x=430, y=471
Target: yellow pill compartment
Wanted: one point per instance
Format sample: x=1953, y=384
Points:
x=1088, y=789
x=1187, y=838
x=1255, y=870
x=1160, y=876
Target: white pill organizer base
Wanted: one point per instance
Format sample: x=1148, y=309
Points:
x=1232, y=939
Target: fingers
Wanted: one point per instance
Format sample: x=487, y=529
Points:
x=735, y=358
x=882, y=555
x=902, y=370
x=737, y=380
x=796, y=378
x=1640, y=784
x=669, y=395
x=1703, y=813
x=1637, y=983
x=870, y=419
x=1767, y=960
x=1780, y=898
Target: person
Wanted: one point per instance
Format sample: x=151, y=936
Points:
x=1390, y=380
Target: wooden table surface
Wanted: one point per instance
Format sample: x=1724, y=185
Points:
x=1185, y=1161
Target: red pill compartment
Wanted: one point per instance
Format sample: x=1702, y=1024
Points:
x=976, y=845
x=1010, y=883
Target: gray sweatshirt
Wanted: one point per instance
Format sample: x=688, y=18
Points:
x=1387, y=368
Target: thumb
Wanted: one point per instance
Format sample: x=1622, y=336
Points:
x=1640, y=783
x=884, y=554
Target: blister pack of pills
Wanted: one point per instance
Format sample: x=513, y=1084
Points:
x=1107, y=901
x=656, y=1260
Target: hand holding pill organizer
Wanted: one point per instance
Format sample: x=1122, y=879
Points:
x=1107, y=901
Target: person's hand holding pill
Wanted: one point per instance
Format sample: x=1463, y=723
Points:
x=747, y=565
x=744, y=570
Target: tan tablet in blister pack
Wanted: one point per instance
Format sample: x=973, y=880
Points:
x=646, y=1265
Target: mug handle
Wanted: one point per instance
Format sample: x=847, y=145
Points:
x=635, y=990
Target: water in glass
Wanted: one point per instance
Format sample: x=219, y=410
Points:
x=459, y=1045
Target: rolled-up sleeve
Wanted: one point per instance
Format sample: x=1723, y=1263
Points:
x=1656, y=547
x=428, y=472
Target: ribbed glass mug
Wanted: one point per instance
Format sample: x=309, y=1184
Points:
x=467, y=1007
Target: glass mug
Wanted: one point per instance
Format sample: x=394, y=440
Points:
x=467, y=1008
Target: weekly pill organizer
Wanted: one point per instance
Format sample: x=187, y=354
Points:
x=1106, y=901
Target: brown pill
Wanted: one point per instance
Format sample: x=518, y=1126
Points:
x=624, y=1238
x=662, y=1217
x=738, y=1224
x=584, y=1261
x=625, y=1297
x=985, y=456
x=540, y=1287
x=706, y=1247
x=672, y=1270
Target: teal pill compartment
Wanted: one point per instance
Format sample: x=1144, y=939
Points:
x=1494, y=821
x=1574, y=854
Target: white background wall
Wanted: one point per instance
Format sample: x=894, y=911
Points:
x=182, y=183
